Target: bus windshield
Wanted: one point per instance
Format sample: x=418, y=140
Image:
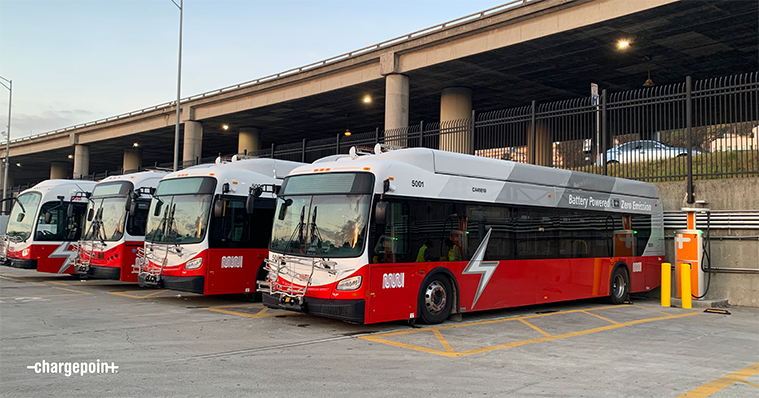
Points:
x=179, y=212
x=109, y=216
x=23, y=216
x=323, y=215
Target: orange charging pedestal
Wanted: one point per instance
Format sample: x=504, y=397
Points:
x=688, y=250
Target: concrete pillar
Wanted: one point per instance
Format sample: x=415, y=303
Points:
x=132, y=160
x=396, y=109
x=59, y=170
x=455, y=131
x=543, y=147
x=249, y=140
x=81, y=161
x=193, y=141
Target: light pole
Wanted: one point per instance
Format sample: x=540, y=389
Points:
x=179, y=85
x=8, y=136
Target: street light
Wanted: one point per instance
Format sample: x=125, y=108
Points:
x=179, y=85
x=8, y=132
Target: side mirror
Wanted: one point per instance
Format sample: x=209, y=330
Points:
x=157, y=211
x=283, y=209
x=48, y=217
x=128, y=204
x=90, y=214
x=250, y=204
x=218, y=208
x=20, y=217
x=380, y=212
x=70, y=210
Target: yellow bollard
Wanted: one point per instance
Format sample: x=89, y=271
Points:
x=666, y=284
x=685, y=292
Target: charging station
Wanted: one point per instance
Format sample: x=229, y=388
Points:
x=689, y=250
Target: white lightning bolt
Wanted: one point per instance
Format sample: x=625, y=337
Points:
x=62, y=251
x=486, y=269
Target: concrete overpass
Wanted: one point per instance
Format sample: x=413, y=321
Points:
x=503, y=57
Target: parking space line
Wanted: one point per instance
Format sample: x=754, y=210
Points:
x=723, y=382
x=379, y=337
x=12, y=279
x=442, y=340
x=651, y=309
x=238, y=305
x=260, y=314
x=600, y=317
x=67, y=289
x=39, y=296
x=126, y=293
x=750, y=383
x=537, y=329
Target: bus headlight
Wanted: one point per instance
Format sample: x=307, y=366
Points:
x=25, y=253
x=351, y=283
x=195, y=263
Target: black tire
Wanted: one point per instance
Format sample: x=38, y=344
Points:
x=435, y=299
x=612, y=162
x=619, y=286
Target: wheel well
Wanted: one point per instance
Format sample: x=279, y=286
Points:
x=454, y=285
x=623, y=265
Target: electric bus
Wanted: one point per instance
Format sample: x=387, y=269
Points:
x=45, y=224
x=200, y=236
x=114, y=228
x=421, y=234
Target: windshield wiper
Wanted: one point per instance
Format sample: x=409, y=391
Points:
x=316, y=237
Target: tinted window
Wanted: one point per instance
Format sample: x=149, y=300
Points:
x=333, y=183
x=60, y=227
x=136, y=223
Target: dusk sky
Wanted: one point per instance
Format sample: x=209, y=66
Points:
x=79, y=61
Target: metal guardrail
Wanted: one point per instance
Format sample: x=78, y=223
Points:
x=342, y=57
x=719, y=219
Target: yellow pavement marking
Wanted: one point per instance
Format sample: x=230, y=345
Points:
x=57, y=283
x=750, y=383
x=238, y=305
x=66, y=289
x=723, y=382
x=379, y=337
x=10, y=277
x=442, y=340
x=651, y=309
x=126, y=293
x=600, y=317
x=39, y=296
x=535, y=327
x=260, y=314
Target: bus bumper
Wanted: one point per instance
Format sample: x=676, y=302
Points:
x=191, y=284
x=344, y=310
x=22, y=263
x=99, y=272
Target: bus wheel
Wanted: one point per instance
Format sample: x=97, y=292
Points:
x=261, y=275
x=620, y=286
x=435, y=299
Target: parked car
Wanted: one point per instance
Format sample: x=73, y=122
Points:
x=643, y=151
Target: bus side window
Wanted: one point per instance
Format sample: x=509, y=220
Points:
x=232, y=230
x=391, y=239
x=138, y=222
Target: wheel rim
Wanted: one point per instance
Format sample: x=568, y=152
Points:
x=619, y=285
x=435, y=297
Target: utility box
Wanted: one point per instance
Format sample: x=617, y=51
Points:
x=689, y=250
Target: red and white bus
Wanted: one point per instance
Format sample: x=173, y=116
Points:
x=45, y=224
x=200, y=237
x=115, y=226
x=421, y=234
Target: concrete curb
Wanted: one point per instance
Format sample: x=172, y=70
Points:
x=714, y=303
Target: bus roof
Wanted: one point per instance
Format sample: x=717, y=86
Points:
x=51, y=189
x=247, y=171
x=139, y=179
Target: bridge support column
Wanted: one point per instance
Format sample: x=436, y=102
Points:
x=396, y=109
x=455, y=119
x=248, y=140
x=81, y=161
x=59, y=170
x=193, y=142
x=132, y=160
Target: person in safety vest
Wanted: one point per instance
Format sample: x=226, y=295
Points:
x=454, y=251
x=425, y=252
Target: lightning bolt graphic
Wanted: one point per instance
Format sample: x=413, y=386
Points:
x=486, y=269
x=63, y=251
